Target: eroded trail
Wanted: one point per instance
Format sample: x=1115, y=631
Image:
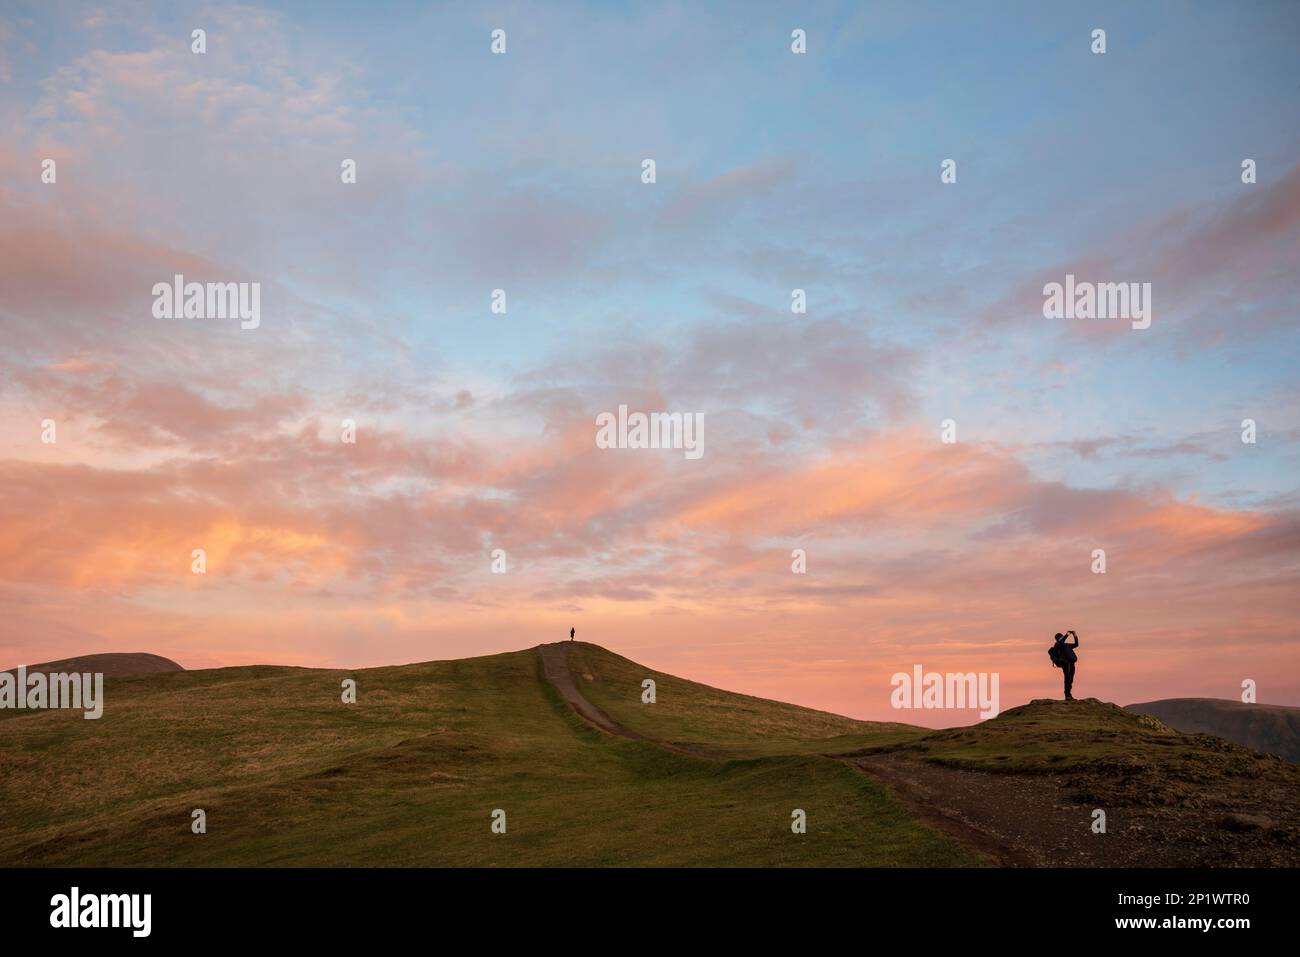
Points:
x=986, y=811
x=555, y=665
x=1043, y=820
x=1015, y=820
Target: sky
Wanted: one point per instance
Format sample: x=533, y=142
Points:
x=475, y=430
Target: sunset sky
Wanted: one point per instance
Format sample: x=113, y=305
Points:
x=475, y=431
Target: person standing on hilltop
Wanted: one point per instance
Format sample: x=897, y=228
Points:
x=1063, y=657
x=572, y=632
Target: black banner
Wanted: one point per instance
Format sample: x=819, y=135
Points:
x=217, y=906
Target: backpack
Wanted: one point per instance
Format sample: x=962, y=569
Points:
x=1054, y=653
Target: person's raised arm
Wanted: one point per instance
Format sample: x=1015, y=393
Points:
x=1075, y=637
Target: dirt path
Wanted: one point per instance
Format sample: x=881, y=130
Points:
x=1038, y=820
x=555, y=665
x=1016, y=820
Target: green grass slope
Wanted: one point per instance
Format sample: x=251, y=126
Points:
x=685, y=712
x=1051, y=735
x=411, y=773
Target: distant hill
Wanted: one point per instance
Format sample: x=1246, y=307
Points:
x=1271, y=728
x=112, y=663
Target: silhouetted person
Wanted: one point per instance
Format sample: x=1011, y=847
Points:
x=1066, y=658
x=572, y=632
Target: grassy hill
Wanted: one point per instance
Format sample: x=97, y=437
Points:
x=720, y=722
x=1174, y=799
x=111, y=663
x=410, y=775
x=1117, y=756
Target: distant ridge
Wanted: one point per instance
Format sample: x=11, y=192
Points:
x=1271, y=728
x=111, y=663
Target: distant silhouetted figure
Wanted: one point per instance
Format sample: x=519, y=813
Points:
x=572, y=632
x=1063, y=656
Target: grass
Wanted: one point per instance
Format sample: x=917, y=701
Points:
x=734, y=724
x=1114, y=756
x=1048, y=736
x=410, y=775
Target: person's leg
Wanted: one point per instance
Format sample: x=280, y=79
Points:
x=1069, y=680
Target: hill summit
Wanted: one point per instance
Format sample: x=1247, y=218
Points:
x=109, y=663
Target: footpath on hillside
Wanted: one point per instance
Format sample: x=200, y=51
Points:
x=555, y=666
x=1038, y=819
